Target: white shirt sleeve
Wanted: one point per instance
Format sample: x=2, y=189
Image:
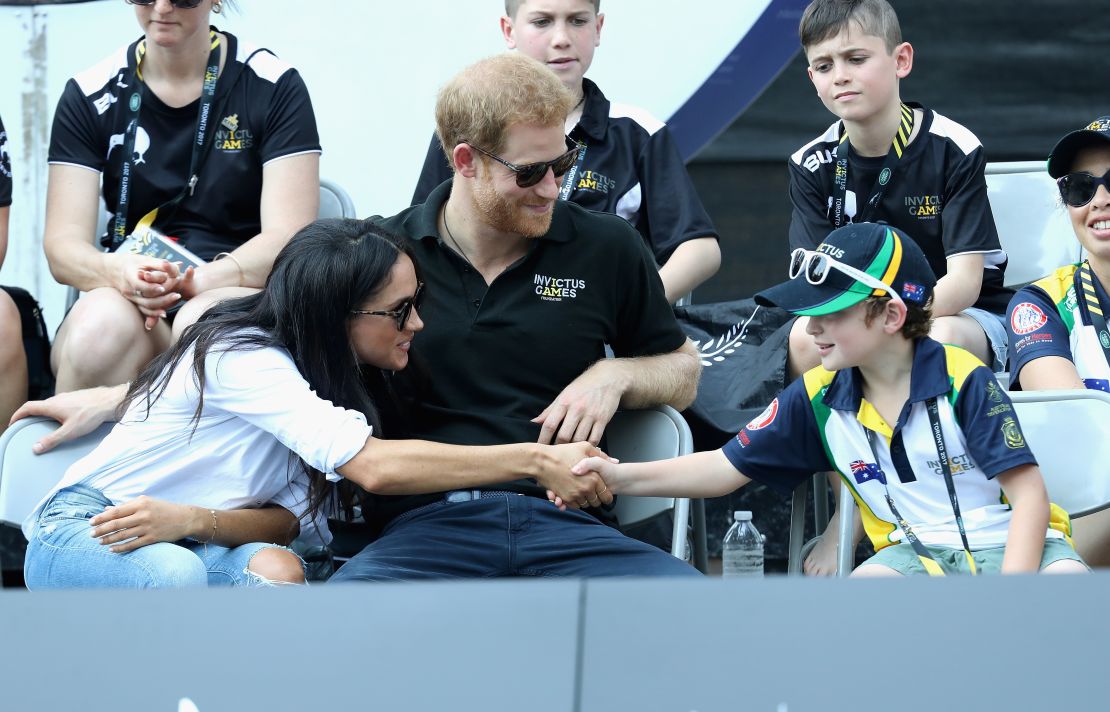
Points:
x=263, y=387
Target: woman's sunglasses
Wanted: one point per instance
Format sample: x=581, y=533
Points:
x=531, y=173
x=401, y=314
x=1078, y=189
x=182, y=4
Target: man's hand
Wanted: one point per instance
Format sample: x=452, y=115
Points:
x=585, y=407
x=146, y=520
x=567, y=489
x=79, y=412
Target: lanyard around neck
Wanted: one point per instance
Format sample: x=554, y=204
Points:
x=134, y=104
x=840, y=179
x=568, y=180
x=1085, y=293
x=926, y=557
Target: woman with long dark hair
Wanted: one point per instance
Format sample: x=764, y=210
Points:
x=229, y=439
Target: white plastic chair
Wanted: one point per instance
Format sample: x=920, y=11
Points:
x=25, y=477
x=335, y=202
x=1069, y=433
x=1034, y=229
x=642, y=436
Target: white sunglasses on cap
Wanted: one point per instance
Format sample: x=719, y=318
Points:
x=816, y=267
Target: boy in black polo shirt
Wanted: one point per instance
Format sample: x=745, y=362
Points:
x=629, y=164
x=898, y=163
x=921, y=432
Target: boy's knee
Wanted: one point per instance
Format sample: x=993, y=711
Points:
x=874, y=571
x=962, y=331
x=277, y=566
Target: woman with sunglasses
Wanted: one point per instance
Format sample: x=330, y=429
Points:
x=1057, y=324
x=232, y=436
x=205, y=139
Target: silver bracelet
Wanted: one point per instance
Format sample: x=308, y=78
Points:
x=237, y=264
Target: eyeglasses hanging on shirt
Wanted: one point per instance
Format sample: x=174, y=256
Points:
x=840, y=179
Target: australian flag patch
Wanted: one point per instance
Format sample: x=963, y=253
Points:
x=864, y=471
x=913, y=292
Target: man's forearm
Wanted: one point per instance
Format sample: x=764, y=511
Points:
x=665, y=379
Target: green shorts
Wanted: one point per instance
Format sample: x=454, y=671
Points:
x=903, y=559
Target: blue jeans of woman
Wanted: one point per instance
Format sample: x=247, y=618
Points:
x=63, y=554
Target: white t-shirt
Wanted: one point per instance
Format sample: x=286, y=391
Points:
x=257, y=408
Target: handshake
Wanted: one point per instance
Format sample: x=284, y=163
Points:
x=574, y=475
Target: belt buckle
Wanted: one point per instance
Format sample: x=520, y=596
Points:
x=456, y=496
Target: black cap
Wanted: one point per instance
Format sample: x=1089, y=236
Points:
x=879, y=251
x=1063, y=155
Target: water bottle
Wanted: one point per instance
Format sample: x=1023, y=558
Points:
x=742, y=548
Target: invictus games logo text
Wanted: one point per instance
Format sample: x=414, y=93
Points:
x=556, y=289
x=231, y=138
x=925, y=207
x=592, y=180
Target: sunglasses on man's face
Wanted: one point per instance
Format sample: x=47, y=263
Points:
x=182, y=4
x=531, y=173
x=1078, y=189
x=402, y=313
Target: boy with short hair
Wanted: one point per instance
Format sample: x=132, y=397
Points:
x=899, y=163
x=628, y=163
x=905, y=421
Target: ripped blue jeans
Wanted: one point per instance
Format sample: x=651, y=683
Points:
x=62, y=554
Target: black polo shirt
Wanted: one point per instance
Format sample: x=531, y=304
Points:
x=631, y=168
x=937, y=195
x=262, y=112
x=496, y=356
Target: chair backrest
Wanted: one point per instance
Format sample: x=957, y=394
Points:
x=25, y=477
x=335, y=202
x=1068, y=433
x=642, y=436
x=1033, y=227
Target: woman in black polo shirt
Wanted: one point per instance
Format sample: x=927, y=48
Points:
x=207, y=140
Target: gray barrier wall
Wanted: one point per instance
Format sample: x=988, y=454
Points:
x=779, y=644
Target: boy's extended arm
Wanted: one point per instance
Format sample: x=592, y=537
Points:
x=701, y=474
x=959, y=288
x=1024, y=488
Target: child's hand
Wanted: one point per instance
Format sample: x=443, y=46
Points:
x=590, y=464
x=605, y=467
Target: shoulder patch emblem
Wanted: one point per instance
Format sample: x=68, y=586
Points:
x=765, y=418
x=1026, y=318
x=1015, y=440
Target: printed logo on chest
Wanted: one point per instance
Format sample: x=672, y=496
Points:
x=556, y=289
x=231, y=137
